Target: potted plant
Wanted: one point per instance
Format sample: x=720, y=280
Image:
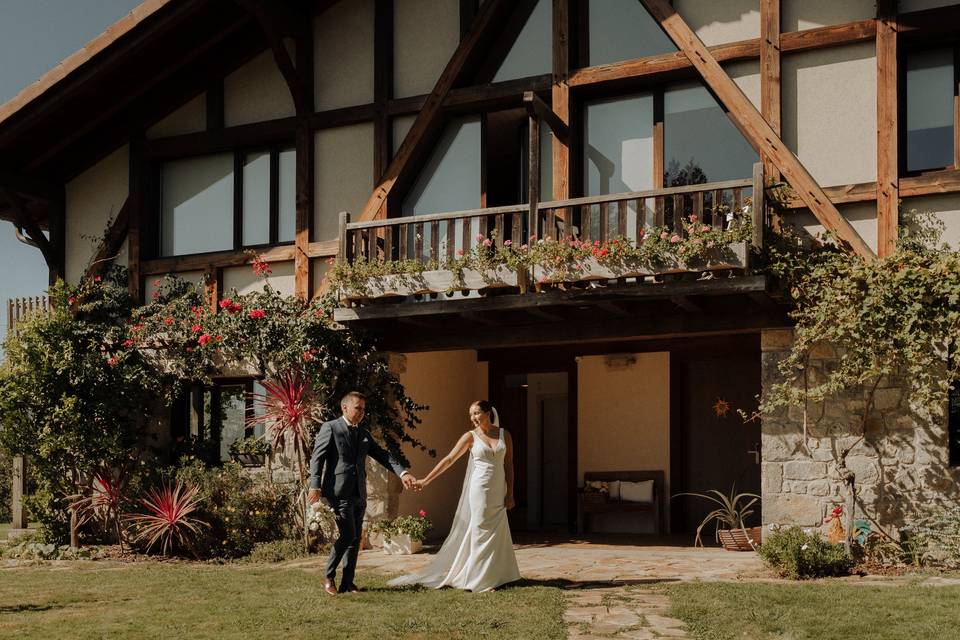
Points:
x=730, y=530
x=403, y=535
x=250, y=451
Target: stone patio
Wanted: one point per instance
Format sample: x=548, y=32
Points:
x=608, y=583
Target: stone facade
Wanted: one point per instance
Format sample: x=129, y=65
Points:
x=901, y=465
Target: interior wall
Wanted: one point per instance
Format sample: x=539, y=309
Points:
x=720, y=22
x=623, y=416
x=447, y=382
x=257, y=92
x=343, y=55
x=93, y=199
x=343, y=175
x=425, y=35
x=837, y=145
x=189, y=118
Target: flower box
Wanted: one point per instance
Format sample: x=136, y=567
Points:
x=250, y=459
x=401, y=544
x=436, y=281
x=739, y=539
x=733, y=256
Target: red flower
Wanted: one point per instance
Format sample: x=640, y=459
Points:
x=307, y=356
x=168, y=321
x=112, y=362
x=234, y=308
x=261, y=267
x=72, y=300
x=196, y=328
x=135, y=328
x=128, y=343
x=156, y=282
x=98, y=279
x=204, y=339
x=226, y=302
x=155, y=295
x=256, y=314
x=423, y=514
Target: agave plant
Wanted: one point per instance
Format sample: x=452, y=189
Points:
x=104, y=501
x=733, y=509
x=288, y=408
x=168, y=519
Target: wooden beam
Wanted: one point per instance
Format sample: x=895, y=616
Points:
x=26, y=222
x=36, y=188
x=110, y=245
x=754, y=128
x=57, y=230
x=938, y=182
x=275, y=24
x=428, y=122
x=19, y=492
x=303, y=274
x=542, y=111
x=382, y=85
x=214, y=101
x=281, y=253
x=793, y=41
x=560, y=98
x=888, y=186
x=137, y=197
x=770, y=73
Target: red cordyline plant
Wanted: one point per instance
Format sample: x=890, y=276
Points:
x=104, y=501
x=168, y=519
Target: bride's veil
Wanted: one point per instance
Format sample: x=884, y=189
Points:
x=444, y=563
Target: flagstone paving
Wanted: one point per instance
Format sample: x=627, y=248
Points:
x=609, y=586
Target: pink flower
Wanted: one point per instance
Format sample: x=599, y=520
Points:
x=112, y=362
x=423, y=514
x=524, y=247
x=480, y=237
x=487, y=243
x=664, y=235
x=234, y=308
x=307, y=356
x=693, y=218
x=98, y=279
x=256, y=314
x=156, y=282
x=705, y=228
x=168, y=321
x=155, y=295
x=72, y=300
x=226, y=302
x=128, y=343
x=533, y=238
x=674, y=238
x=261, y=267
x=196, y=328
x=459, y=253
x=204, y=339
x=507, y=243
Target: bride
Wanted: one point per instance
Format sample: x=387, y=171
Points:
x=478, y=553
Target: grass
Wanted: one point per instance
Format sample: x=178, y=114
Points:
x=5, y=528
x=96, y=600
x=821, y=610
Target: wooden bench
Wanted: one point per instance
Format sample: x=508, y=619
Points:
x=588, y=507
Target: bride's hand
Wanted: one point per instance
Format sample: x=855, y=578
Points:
x=510, y=503
x=419, y=485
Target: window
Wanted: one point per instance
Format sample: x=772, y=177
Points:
x=532, y=52
x=227, y=201
x=930, y=85
x=450, y=181
x=620, y=30
x=618, y=145
x=215, y=417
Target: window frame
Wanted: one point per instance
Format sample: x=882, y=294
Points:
x=181, y=420
x=239, y=157
x=903, y=54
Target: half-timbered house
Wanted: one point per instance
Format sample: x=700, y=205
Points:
x=196, y=130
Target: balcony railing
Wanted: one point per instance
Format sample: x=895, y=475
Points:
x=437, y=239
x=19, y=309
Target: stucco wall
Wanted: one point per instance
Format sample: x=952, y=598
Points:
x=256, y=92
x=93, y=199
x=746, y=75
x=796, y=15
x=425, y=35
x=719, y=22
x=245, y=281
x=945, y=208
x=837, y=145
x=623, y=416
x=861, y=215
x=919, y=5
x=447, y=381
x=344, y=175
x=189, y=118
x=343, y=55
x=901, y=466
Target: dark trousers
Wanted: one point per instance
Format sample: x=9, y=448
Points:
x=349, y=517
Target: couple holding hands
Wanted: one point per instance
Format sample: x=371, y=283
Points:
x=477, y=554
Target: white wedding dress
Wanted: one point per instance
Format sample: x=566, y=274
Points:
x=478, y=552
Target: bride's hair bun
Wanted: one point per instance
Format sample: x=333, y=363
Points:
x=484, y=405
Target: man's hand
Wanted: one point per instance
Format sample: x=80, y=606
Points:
x=313, y=495
x=510, y=503
x=409, y=482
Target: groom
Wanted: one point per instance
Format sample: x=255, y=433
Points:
x=338, y=473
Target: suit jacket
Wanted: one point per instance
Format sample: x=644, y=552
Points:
x=338, y=468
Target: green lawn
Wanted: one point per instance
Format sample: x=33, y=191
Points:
x=98, y=600
x=822, y=610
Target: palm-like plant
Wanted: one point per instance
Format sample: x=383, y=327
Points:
x=104, y=501
x=168, y=520
x=733, y=509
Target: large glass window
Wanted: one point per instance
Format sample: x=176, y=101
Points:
x=618, y=145
x=700, y=143
x=929, y=109
x=450, y=180
x=197, y=209
x=198, y=201
x=532, y=52
x=623, y=30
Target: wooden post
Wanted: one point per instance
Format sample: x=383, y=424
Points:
x=770, y=72
x=560, y=97
x=19, y=491
x=533, y=175
x=342, y=248
x=303, y=274
x=758, y=212
x=888, y=183
x=136, y=198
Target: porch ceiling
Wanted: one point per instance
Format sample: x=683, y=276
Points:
x=677, y=308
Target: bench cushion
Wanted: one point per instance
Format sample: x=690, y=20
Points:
x=636, y=491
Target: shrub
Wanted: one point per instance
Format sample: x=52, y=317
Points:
x=935, y=538
x=414, y=526
x=794, y=553
x=6, y=482
x=276, y=551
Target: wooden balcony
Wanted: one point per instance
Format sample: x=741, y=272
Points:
x=433, y=283
x=19, y=309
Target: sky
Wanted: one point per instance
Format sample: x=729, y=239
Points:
x=34, y=36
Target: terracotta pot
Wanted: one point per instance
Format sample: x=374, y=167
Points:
x=737, y=540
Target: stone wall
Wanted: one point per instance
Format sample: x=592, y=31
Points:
x=901, y=465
